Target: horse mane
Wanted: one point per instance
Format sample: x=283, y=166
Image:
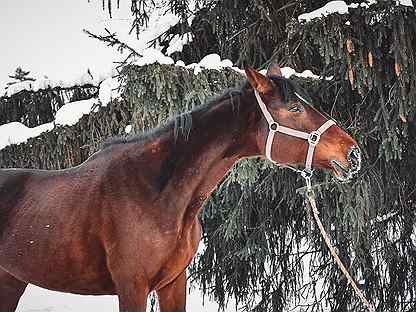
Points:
x=182, y=123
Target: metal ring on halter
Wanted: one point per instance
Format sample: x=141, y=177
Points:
x=274, y=126
x=306, y=174
x=314, y=137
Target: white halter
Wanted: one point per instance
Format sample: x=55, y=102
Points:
x=312, y=138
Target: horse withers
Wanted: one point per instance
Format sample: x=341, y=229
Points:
x=125, y=222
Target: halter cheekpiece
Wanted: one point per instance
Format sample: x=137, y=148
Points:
x=312, y=137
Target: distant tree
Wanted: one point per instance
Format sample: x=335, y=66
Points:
x=19, y=76
x=34, y=108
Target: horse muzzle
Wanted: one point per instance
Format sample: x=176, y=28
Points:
x=344, y=173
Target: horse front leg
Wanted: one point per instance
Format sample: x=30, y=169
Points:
x=131, y=284
x=132, y=301
x=132, y=295
x=172, y=298
x=11, y=289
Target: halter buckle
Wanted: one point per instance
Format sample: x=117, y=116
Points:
x=274, y=126
x=314, y=137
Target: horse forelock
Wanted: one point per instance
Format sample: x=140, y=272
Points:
x=289, y=89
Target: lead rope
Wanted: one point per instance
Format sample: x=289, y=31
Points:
x=312, y=202
x=313, y=139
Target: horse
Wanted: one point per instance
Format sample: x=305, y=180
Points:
x=125, y=222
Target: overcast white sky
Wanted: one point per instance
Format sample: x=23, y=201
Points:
x=46, y=37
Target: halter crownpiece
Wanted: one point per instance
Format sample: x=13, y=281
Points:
x=312, y=137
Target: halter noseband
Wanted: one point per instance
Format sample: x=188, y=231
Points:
x=312, y=137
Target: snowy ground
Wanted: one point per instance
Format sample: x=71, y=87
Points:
x=36, y=299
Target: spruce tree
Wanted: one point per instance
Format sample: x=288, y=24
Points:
x=19, y=76
x=262, y=249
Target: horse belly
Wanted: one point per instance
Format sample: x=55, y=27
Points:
x=83, y=284
x=97, y=284
x=92, y=279
x=54, y=264
x=53, y=240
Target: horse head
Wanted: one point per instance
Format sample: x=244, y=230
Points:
x=291, y=132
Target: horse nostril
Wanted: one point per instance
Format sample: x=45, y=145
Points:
x=354, y=157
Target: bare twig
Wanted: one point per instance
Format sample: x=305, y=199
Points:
x=112, y=40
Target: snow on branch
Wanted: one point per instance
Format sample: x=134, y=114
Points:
x=341, y=7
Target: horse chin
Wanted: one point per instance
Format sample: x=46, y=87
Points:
x=341, y=173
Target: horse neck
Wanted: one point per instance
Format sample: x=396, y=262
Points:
x=220, y=136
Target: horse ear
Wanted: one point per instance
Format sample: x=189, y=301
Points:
x=260, y=83
x=274, y=70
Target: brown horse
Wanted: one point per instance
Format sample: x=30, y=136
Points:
x=125, y=221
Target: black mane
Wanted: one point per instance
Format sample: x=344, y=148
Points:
x=181, y=124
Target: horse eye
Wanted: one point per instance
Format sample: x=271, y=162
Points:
x=295, y=109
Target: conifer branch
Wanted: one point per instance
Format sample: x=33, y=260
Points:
x=112, y=40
